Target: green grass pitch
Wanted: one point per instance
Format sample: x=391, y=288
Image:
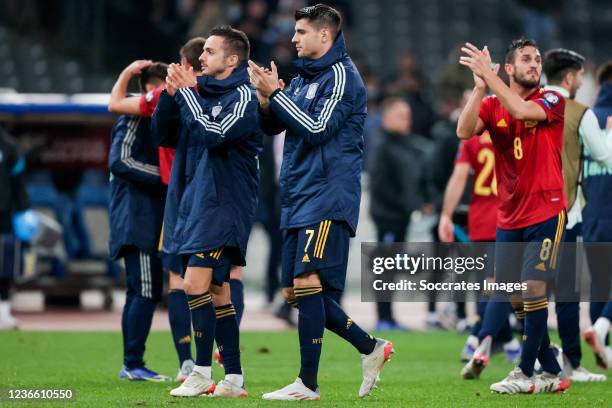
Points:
x=423, y=372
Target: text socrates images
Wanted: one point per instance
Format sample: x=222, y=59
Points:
x=410, y=272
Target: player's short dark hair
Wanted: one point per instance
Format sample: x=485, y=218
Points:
x=604, y=73
x=154, y=74
x=192, y=50
x=558, y=62
x=236, y=41
x=321, y=15
x=517, y=45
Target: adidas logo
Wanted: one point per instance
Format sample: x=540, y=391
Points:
x=200, y=255
x=185, y=340
x=502, y=123
x=541, y=267
x=305, y=258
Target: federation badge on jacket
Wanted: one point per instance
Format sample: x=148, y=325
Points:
x=312, y=90
x=216, y=110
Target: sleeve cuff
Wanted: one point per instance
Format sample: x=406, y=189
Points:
x=273, y=94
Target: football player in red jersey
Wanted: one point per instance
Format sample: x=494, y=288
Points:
x=476, y=155
x=526, y=128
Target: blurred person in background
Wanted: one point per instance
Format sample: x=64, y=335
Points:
x=450, y=96
x=564, y=69
x=409, y=83
x=397, y=184
x=14, y=202
x=136, y=209
x=597, y=220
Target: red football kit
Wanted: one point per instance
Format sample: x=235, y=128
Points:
x=148, y=102
x=527, y=160
x=478, y=153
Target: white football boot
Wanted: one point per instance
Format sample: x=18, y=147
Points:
x=195, y=385
x=515, y=383
x=372, y=365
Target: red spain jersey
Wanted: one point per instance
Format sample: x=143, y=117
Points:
x=527, y=160
x=148, y=102
x=478, y=153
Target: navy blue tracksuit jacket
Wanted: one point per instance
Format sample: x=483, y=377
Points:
x=323, y=112
x=212, y=196
x=137, y=192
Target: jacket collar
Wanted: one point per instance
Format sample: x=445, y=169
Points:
x=311, y=67
x=564, y=92
x=209, y=86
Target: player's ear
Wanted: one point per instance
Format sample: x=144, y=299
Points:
x=149, y=87
x=324, y=34
x=569, y=77
x=233, y=60
x=509, y=69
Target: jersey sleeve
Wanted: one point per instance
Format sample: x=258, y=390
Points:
x=553, y=104
x=486, y=109
x=148, y=101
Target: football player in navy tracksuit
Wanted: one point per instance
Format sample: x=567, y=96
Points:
x=212, y=198
x=323, y=111
x=136, y=208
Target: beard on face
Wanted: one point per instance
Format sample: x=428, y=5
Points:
x=526, y=83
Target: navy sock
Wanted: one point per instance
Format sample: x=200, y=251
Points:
x=139, y=318
x=180, y=323
x=547, y=357
x=125, y=323
x=227, y=336
x=495, y=316
x=505, y=333
x=293, y=302
x=568, y=321
x=536, y=315
x=338, y=322
x=237, y=295
x=204, y=322
x=481, y=307
x=311, y=324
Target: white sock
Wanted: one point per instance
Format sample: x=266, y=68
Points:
x=5, y=309
x=512, y=345
x=602, y=327
x=472, y=341
x=237, y=379
x=205, y=371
